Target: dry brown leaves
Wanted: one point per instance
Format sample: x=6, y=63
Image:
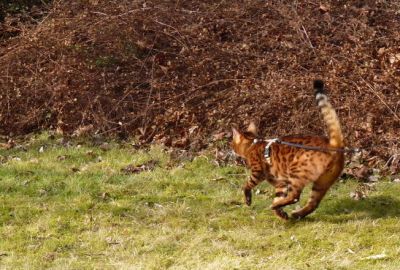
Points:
x=183, y=73
x=147, y=166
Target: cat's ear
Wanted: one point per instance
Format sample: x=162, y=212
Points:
x=235, y=135
x=252, y=128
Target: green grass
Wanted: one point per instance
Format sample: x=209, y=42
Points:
x=73, y=208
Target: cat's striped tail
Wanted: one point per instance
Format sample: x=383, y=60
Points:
x=329, y=115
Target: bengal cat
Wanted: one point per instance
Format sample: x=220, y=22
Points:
x=289, y=169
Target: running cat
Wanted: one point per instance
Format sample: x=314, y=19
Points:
x=289, y=169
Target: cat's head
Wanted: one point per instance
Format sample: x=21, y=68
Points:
x=241, y=141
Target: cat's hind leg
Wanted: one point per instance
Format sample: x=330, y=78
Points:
x=291, y=196
x=317, y=193
x=319, y=189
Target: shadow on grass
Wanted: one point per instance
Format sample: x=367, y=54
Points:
x=347, y=209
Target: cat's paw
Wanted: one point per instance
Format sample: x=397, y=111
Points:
x=281, y=214
x=248, y=201
x=296, y=215
x=247, y=195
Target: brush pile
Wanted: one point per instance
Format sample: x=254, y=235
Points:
x=183, y=72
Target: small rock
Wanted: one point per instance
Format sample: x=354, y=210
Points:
x=21, y=147
x=61, y=158
x=42, y=192
x=25, y=182
x=91, y=154
x=376, y=257
x=373, y=178
x=147, y=166
x=242, y=253
x=105, y=196
x=111, y=241
x=350, y=251
x=356, y=195
x=149, y=204
x=49, y=256
x=105, y=146
x=34, y=160
x=362, y=173
x=376, y=171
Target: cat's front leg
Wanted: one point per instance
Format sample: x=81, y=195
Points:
x=256, y=177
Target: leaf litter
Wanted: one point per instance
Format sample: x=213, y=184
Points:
x=184, y=78
x=147, y=166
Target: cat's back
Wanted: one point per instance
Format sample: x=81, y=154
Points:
x=295, y=161
x=310, y=140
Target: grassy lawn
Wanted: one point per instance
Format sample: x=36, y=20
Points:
x=71, y=207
